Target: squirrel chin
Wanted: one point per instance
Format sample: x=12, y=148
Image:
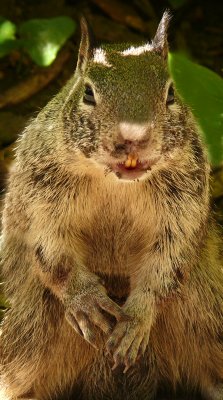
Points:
x=131, y=175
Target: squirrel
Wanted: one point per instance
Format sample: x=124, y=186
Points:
x=111, y=257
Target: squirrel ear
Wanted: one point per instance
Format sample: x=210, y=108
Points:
x=86, y=47
x=160, y=43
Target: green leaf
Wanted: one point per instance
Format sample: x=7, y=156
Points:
x=202, y=90
x=43, y=38
x=7, y=46
x=7, y=30
x=7, y=37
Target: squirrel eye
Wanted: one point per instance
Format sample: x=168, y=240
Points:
x=89, y=95
x=170, y=95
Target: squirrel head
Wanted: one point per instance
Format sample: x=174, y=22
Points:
x=121, y=110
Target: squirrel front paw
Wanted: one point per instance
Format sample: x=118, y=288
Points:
x=128, y=341
x=86, y=312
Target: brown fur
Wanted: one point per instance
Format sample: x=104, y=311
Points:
x=72, y=233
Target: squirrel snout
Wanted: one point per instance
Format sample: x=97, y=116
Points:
x=131, y=137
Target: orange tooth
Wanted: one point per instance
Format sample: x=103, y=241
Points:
x=134, y=162
x=128, y=162
x=131, y=161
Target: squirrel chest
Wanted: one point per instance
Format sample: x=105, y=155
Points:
x=115, y=226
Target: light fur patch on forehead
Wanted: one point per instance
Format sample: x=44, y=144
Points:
x=99, y=57
x=136, y=51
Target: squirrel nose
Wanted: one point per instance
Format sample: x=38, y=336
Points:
x=131, y=137
x=130, y=132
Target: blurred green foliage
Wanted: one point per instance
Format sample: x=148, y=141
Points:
x=175, y=4
x=40, y=38
x=7, y=30
x=7, y=37
x=202, y=90
x=43, y=38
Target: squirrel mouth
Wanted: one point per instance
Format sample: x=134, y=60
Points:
x=132, y=168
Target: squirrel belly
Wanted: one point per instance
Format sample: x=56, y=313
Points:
x=111, y=257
